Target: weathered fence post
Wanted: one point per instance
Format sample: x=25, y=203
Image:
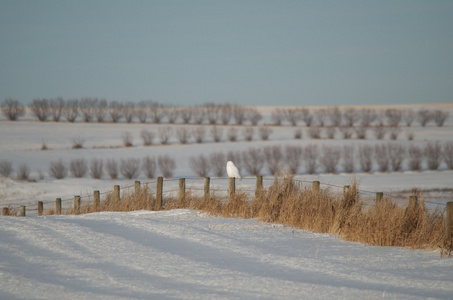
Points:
x=77, y=205
x=40, y=208
x=58, y=206
x=116, y=194
x=259, y=186
x=182, y=190
x=315, y=187
x=207, y=188
x=97, y=200
x=5, y=211
x=159, y=190
x=450, y=220
x=137, y=188
x=379, y=197
x=231, y=188
x=22, y=211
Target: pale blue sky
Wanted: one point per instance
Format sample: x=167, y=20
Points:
x=242, y=52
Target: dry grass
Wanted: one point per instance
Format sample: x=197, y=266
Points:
x=285, y=202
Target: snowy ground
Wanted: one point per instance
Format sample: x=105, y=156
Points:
x=183, y=254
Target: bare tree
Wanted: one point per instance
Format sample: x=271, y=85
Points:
x=127, y=139
x=253, y=160
x=408, y=117
x=360, y=132
x=56, y=107
x=172, y=114
x=410, y=135
x=366, y=157
x=293, y=157
x=147, y=136
x=199, y=134
x=380, y=118
x=199, y=165
x=265, y=132
x=186, y=115
x=100, y=110
x=156, y=111
x=129, y=112
x=130, y=167
x=217, y=161
x=71, y=110
x=274, y=158
x=433, y=153
x=351, y=116
x=142, y=111
x=330, y=132
x=87, y=107
x=216, y=133
x=77, y=142
x=335, y=116
x=396, y=154
x=164, y=134
x=248, y=132
x=424, y=116
x=348, y=159
x=292, y=115
x=367, y=117
x=346, y=132
x=40, y=109
x=310, y=156
x=6, y=168
x=314, y=132
x=115, y=111
x=12, y=109
x=57, y=169
x=112, y=168
x=254, y=116
x=379, y=131
x=167, y=165
x=198, y=115
x=394, y=132
x=448, y=154
x=78, y=167
x=232, y=134
x=212, y=112
x=306, y=116
x=183, y=134
x=440, y=116
x=96, y=168
x=226, y=112
x=23, y=173
x=239, y=114
x=321, y=116
x=330, y=158
x=382, y=157
x=298, y=133
x=149, y=166
x=415, y=158
x=393, y=116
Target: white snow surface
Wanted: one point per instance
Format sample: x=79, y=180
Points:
x=184, y=254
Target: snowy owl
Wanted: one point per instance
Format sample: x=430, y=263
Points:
x=232, y=170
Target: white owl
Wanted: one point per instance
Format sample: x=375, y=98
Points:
x=232, y=170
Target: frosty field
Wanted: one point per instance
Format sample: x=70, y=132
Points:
x=186, y=254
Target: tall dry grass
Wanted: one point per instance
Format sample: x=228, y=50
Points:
x=286, y=202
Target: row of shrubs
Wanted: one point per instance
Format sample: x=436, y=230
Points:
x=277, y=160
x=93, y=109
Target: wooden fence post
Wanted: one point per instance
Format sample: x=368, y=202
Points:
x=450, y=220
x=379, y=197
x=259, y=186
x=137, y=188
x=58, y=206
x=207, y=188
x=5, y=211
x=315, y=187
x=77, y=205
x=159, y=190
x=97, y=201
x=231, y=188
x=40, y=208
x=22, y=211
x=182, y=190
x=116, y=194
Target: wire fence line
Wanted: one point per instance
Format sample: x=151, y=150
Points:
x=216, y=186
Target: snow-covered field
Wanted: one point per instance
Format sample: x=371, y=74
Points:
x=185, y=254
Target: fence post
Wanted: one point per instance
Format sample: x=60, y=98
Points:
x=40, y=208
x=22, y=210
x=159, y=190
x=207, y=192
x=231, y=188
x=97, y=200
x=412, y=201
x=449, y=220
x=116, y=194
x=77, y=204
x=379, y=197
x=5, y=211
x=182, y=190
x=315, y=187
x=137, y=188
x=259, y=185
x=58, y=206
